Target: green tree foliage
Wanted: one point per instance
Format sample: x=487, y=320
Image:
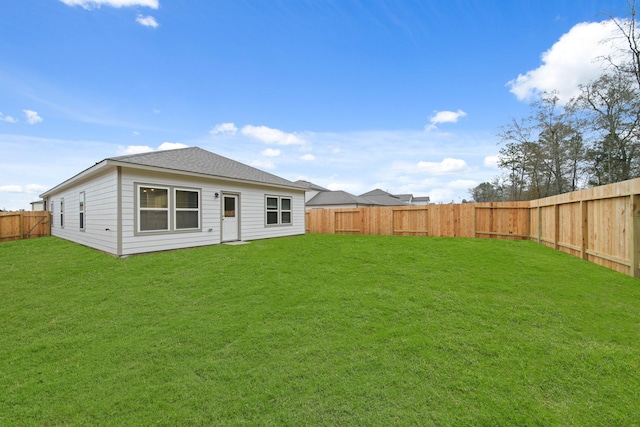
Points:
x=591, y=140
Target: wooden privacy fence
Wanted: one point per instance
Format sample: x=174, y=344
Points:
x=24, y=225
x=601, y=224
x=488, y=220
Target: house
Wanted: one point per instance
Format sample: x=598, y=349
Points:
x=173, y=199
x=341, y=199
x=38, y=205
x=382, y=198
x=336, y=200
x=311, y=189
x=411, y=200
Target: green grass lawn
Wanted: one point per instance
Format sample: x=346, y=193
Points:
x=317, y=330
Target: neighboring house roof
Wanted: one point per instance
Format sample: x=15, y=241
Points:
x=310, y=185
x=327, y=198
x=192, y=160
x=404, y=197
x=382, y=198
x=425, y=199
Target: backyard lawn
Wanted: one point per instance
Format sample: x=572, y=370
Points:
x=317, y=330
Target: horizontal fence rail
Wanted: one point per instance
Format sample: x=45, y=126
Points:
x=600, y=225
x=24, y=225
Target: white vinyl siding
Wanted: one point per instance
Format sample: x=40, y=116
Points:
x=99, y=212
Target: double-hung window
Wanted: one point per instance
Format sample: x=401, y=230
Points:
x=187, y=209
x=61, y=213
x=278, y=210
x=167, y=209
x=154, y=209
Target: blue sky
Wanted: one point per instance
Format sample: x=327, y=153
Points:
x=406, y=96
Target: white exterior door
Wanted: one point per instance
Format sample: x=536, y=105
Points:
x=230, y=231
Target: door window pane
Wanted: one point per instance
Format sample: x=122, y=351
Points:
x=229, y=207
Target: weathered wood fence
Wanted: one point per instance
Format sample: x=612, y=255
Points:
x=24, y=225
x=600, y=224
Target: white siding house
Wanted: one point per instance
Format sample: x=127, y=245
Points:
x=173, y=199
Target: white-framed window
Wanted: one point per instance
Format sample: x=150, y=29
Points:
x=167, y=208
x=153, y=208
x=81, y=209
x=277, y=210
x=187, y=209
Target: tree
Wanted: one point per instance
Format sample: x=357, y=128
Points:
x=628, y=28
x=612, y=106
x=487, y=192
x=543, y=153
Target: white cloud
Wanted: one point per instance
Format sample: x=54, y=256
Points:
x=133, y=149
x=576, y=58
x=272, y=136
x=445, y=117
x=10, y=189
x=270, y=152
x=7, y=119
x=224, y=128
x=462, y=184
x=308, y=157
x=89, y=4
x=27, y=189
x=147, y=21
x=441, y=195
x=263, y=164
x=171, y=146
x=138, y=149
x=446, y=166
x=491, y=161
x=32, y=117
x=349, y=187
x=35, y=188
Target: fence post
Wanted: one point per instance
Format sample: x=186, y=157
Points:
x=21, y=226
x=635, y=235
x=584, y=217
x=556, y=236
x=539, y=224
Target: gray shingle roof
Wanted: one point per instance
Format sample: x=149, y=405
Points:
x=310, y=185
x=382, y=198
x=336, y=198
x=197, y=160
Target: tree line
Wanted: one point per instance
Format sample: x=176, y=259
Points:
x=594, y=139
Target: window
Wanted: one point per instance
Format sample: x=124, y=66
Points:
x=62, y=213
x=278, y=210
x=154, y=209
x=272, y=210
x=187, y=209
x=168, y=209
x=81, y=209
